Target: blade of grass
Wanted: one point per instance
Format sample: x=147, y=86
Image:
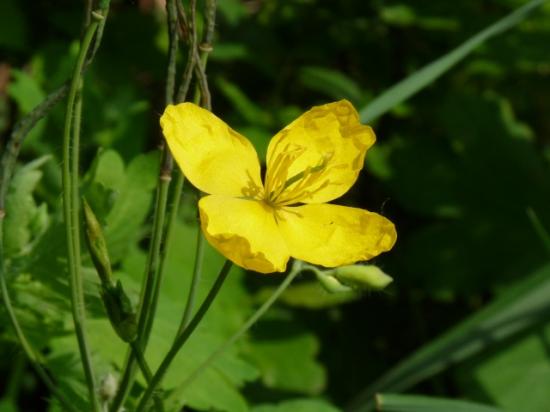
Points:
x=414, y=403
x=428, y=74
x=520, y=308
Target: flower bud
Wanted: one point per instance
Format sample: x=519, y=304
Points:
x=330, y=283
x=97, y=245
x=119, y=308
x=369, y=277
x=120, y=311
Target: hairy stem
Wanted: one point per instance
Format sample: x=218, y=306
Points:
x=71, y=212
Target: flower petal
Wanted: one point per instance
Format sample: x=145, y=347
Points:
x=327, y=146
x=214, y=157
x=331, y=235
x=245, y=232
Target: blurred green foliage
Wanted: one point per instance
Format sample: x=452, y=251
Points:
x=456, y=167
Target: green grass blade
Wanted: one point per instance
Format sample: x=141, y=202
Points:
x=414, y=403
x=520, y=308
x=423, y=77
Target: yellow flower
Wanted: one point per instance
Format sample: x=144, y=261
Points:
x=313, y=160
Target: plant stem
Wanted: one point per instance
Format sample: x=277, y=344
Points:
x=146, y=371
x=32, y=356
x=27, y=123
x=193, y=288
x=20, y=131
x=71, y=213
x=297, y=268
x=152, y=277
x=145, y=316
x=181, y=339
x=173, y=50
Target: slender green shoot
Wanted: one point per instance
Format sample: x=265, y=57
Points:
x=71, y=211
x=181, y=339
x=296, y=269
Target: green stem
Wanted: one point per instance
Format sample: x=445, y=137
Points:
x=32, y=356
x=146, y=371
x=148, y=308
x=193, y=288
x=20, y=131
x=27, y=123
x=71, y=214
x=152, y=278
x=146, y=315
x=297, y=268
x=181, y=339
x=173, y=50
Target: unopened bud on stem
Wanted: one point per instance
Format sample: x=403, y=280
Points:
x=369, y=277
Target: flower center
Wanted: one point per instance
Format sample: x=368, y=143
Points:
x=282, y=189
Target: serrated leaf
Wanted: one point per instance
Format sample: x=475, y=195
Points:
x=132, y=195
x=25, y=220
x=227, y=374
x=287, y=361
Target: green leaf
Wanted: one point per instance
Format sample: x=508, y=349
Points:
x=25, y=220
x=415, y=403
x=287, y=361
x=463, y=187
x=227, y=313
x=510, y=371
x=428, y=74
x=27, y=93
x=297, y=405
x=331, y=83
x=520, y=308
x=249, y=110
x=122, y=198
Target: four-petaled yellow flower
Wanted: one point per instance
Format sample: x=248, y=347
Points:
x=313, y=160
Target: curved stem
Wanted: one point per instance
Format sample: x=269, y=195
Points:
x=193, y=288
x=27, y=123
x=297, y=268
x=181, y=339
x=146, y=371
x=146, y=315
x=71, y=214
